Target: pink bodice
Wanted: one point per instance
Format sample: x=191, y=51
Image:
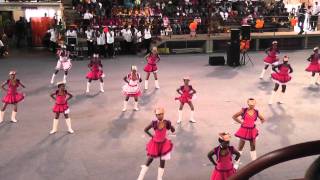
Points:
x=224, y=162
x=61, y=99
x=152, y=59
x=12, y=88
x=160, y=135
x=249, y=120
x=284, y=70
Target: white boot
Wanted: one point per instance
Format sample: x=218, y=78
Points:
x=52, y=78
x=13, y=117
x=88, y=87
x=237, y=163
x=101, y=86
x=179, y=116
x=64, y=78
x=160, y=173
x=54, y=126
x=156, y=82
x=145, y=84
x=136, y=108
x=253, y=155
x=313, y=80
x=192, y=120
x=272, y=97
x=280, y=99
x=262, y=73
x=1, y=116
x=125, y=103
x=143, y=172
x=68, y=122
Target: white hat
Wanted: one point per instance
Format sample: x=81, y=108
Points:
x=60, y=83
x=12, y=72
x=285, y=58
x=133, y=67
x=186, y=78
x=316, y=48
x=274, y=42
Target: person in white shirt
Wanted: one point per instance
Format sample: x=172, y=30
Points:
x=147, y=39
x=71, y=35
x=1, y=48
x=138, y=37
x=86, y=19
x=90, y=38
x=53, y=39
x=314, y=16
x=127, y=35
x=110, y=42
x=101, y=43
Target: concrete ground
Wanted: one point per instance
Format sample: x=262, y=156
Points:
x=110, y=145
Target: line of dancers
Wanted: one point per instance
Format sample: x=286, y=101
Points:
x=160, y=146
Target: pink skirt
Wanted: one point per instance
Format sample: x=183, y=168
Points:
x=280, y=78
x=150, y=68
x=247, y=133
x=60, y=108
x=270, y=59
x=184, y=99
x=313, y=68
x=11, y=98
x=222, y=174
x=159, y=149
x=95, y=75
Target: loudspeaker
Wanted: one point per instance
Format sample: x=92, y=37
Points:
x=216, y=61
x=235, y=36
x=233, y=51
x=246, y=32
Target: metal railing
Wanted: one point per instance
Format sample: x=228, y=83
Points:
x=282, y=155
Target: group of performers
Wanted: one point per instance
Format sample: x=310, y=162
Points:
x=160, y=146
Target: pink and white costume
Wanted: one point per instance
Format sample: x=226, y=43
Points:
x=314, y=65
x=160, y=146
x=282, y=76
x=224, y=168
x=186, y=94
x=272, y=57
x=61, y=105
x=13, y=96
x=132, y=89
x=96, y=70
x=152, y=60
x=64, y=62
x=248, y=130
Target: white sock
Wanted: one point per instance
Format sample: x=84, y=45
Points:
x=101, y=86
x=179, y=116
x=88, y=87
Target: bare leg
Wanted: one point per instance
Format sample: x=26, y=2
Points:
x=241, y=144
x=162, y=163
x=4, y=107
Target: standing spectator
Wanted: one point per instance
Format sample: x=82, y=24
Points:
x=138, y=39
x=110, y=42
x=101, y=42
x=20, y=31
x=53, y=39
x=90, y=37
x=2, y=48
x=147, y=39
x=127, y=35
x=71, y=38
x=86, y=19
x=314, y=17
x=301, y=17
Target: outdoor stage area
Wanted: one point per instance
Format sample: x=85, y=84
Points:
x=110, y=145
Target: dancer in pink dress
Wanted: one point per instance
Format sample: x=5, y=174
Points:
x=281, y=77
x=272, y=58
x=12, y=97
x=314, y=66
x=186, y=94
x=159, y=146
x=96, y=72
x=132, y=88
x=248, y=132
x=61, y=97
x=152, y=60
x=223, y=165
x=64, y=63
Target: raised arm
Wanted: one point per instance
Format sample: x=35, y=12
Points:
x=3, y=85
x=52, y=95
x=235, y=152
x=146, y=130
x=210, y=157
x=291, y=70
x=70, y=96
x=262, y=119
x=236, y=117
